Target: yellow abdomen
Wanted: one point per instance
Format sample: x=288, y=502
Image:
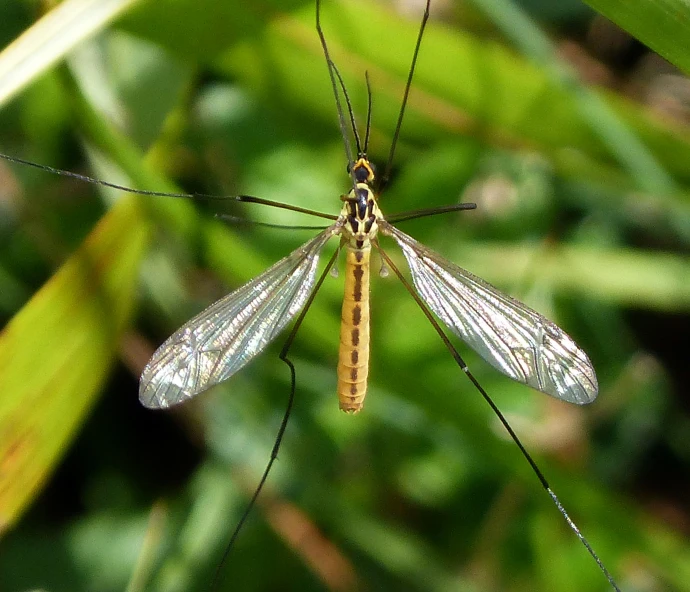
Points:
x=353, y=360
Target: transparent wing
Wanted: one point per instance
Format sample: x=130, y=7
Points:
x=228, y=334
x=513, y=338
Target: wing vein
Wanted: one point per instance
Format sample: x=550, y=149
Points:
x=223, y=338
x=516, y=340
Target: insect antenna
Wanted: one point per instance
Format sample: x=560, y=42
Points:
x=526, y=455
x=283, y=424
x=351, y=113
x=367, y=129
x=406, y=94
x=333, y=73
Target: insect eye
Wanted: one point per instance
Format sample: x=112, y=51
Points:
x=361, y=174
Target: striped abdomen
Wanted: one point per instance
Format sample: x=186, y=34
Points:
x=353, y=361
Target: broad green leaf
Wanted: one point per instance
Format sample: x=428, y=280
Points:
x=663, y=25
x=56, y=353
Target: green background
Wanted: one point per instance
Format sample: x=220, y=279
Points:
x=577, y=153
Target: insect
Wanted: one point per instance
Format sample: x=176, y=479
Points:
x=519, y=342
x=513, y=338
x=222, y=339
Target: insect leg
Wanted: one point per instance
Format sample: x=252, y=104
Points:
x=283, y=424
x=461, y=363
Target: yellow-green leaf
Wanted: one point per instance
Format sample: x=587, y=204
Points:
x=56, y=353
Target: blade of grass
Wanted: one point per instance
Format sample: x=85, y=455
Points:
x=466, y=85
x=618, y=137
x=624, y=276
x=49, y=39
x=56, y=352
x=663, y=25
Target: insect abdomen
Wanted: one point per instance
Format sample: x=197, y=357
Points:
x=353, y=362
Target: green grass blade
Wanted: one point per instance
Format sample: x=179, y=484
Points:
x=56, y=353
x=622, y=276
x=51, y=38
x=663, y=25
x=618, y=137
x=468, y=86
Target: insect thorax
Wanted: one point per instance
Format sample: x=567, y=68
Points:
x=360, y=211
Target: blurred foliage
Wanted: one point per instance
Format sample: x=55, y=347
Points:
x=575, y=146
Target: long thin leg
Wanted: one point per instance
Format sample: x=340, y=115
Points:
x=406, y=94
x=423, y=213
x=283, y=424
x=196, y=196
x=283, y=206
x=461, y=363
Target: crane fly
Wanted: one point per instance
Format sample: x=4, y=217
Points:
x=513, y=338
x=510, y=336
